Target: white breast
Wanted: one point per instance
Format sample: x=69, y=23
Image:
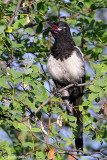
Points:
x=69, y=70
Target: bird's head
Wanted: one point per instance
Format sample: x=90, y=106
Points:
x=59, y=29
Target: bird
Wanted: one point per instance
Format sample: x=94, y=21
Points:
x=66, y=66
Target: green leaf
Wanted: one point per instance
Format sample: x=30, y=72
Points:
x=96, y=109
x=28, y=71
x=92, y=96
x=40, y=5
x=16, y=45
x=100, y=82
x=74, y=125
x=101, y=94
x=35, y=130
x=35, y=68
x=41, y=94
x=30, y=104
x=106, y=90
x=9, y=29
x=40, y=155
x=29, y=64
x=15, y=124
x=69, y=143
x=19, y=117
x=71, y=118
x=29, y=30
x=23, y=21
x=85, y=103
x=88, y=3
x=27, y=144
x=14, y=73
x=62, y=145
x=104, y=68
x=36, y=91
x=3, y=83
x=18, y=74
x=81, y=108
x=19, y=23
x=11, y=8
x=39, y=28
x=94, y=88
x=22, y=96
x=22, y=127
x=6, y=143
x=1, y=97
x=1, y=50
x=17, y=80
x=2, y=28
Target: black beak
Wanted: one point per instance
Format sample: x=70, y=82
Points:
x=53, y=26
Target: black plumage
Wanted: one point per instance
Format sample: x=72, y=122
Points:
x=66, y=66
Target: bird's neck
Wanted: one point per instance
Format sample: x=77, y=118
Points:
x=65, y=39
x=63, y=47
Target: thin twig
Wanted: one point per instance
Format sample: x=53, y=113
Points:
x=68, y=151
x=15, y=13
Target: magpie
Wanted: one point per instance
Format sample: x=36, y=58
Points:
x=66, y=66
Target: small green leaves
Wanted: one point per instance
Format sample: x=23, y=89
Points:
x=14, y=73
x=28, y=71
x=16, y=45
x=85, y=103
x=27, y=144
x=22, y=127
x=22, y=96
x=71, y=118
x=96, y=109
x=40, y=155
x=2, y=28
x=100, y=82
x=92, y=96
x=94, y=88
x=29, y=30
x=3, y=83
x=35, y=130
x=39, y=28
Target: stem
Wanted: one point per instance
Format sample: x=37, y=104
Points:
x=49, y=126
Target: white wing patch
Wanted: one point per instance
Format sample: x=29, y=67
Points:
x=80, y=51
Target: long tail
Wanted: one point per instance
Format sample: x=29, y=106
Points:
x=76, y=100
x=74, y=96
x=79, y=132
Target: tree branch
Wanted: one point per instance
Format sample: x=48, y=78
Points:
x=15, y=13
x=68, y=86
x=62, y=89
x=70, y=152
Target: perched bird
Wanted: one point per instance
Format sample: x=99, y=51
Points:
x=66, y=66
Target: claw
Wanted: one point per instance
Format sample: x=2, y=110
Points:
x=56, y=93
x=75, y=84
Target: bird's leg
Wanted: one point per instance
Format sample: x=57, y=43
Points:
x=56, y=92
x=75, y=84
x=66, y=98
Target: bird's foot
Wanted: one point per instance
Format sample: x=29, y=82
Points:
x=75, y=84
x=69, y=109
x=57, y=93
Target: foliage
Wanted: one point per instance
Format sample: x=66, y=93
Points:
x=25, y=84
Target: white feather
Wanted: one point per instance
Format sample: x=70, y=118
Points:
x=70, y=70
